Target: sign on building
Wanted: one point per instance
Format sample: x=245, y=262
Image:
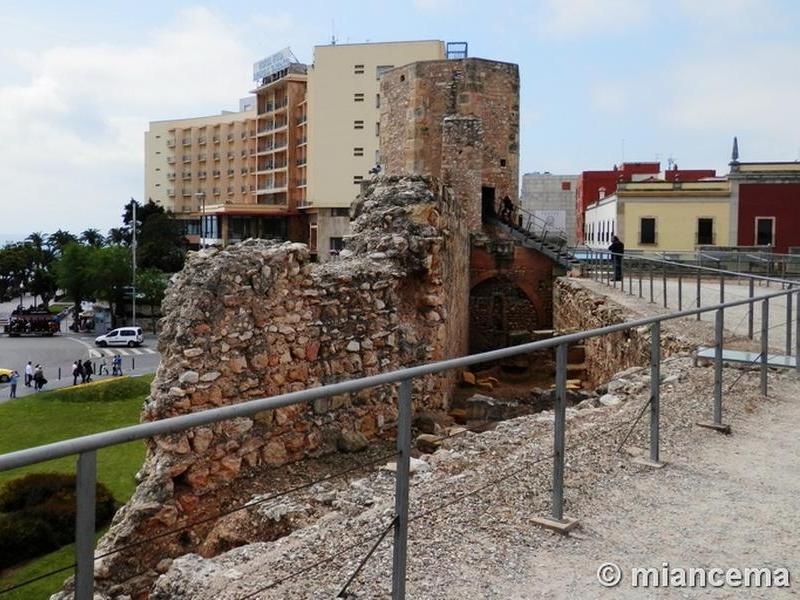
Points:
x=272, y=64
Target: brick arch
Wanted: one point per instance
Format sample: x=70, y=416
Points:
x=499, y=307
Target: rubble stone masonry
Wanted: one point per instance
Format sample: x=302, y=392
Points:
x=259, y=319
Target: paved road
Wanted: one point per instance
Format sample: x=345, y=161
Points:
x=60, y=351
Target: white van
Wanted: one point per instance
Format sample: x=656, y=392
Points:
x=123, y=336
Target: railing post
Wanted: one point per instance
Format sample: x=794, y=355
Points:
x=680, y=290
x=85, y=484
x=650, y=270
x=750, y=309
x=630, y=277
x=557, y=521
x=764, y=344
x=722, y=289
x=698, y=292
x=401, y=491
x=639, y=270
x=664, y=283
x=797, y=334
x=716, y=422
x=655, y=390
x=789, y=322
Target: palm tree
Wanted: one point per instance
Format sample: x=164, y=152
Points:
x=117, y=236
x=59, y=240
x=92, y=237
x=36, y=239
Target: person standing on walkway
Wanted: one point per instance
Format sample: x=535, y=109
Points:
x=14, y=379
x=75, y=372
x=28, y=374
x=103, y=366
x=87, y=370
x=38, y=378
x=617, y=249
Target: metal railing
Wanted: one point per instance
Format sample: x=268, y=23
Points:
x=86, y=447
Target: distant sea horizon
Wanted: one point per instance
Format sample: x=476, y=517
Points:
x=10, y=238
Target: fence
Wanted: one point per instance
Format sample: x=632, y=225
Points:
x=86, y=447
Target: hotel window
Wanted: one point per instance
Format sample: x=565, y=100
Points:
x=377, y=100
x=357, y=179
x=765, y=231
x=381, y=69
x=358, y=124
x=705, y=231
x=358, y=152
x=358, y=69
x=377, y=129
x=357, y=97
x=336, y=244
x=647, y=230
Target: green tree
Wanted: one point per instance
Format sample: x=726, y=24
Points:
x=117, y=236
x=59, y=240
x=161, y=243
x=111, y=272
x=73, y=273
x=43, y=284
x=152, y=284
x=92, y=237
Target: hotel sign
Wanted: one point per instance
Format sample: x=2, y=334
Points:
x=273, y=64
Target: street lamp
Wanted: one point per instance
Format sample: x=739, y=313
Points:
x=201, y=197
x=21, y=292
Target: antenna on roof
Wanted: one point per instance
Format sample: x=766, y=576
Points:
x=333, y=32
x=735, y=151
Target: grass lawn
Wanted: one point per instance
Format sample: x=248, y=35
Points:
x=62, y=414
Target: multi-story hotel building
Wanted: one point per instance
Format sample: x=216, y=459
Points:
x=289, y=167
x=344, y=127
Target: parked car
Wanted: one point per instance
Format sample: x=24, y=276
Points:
x=122, y=336
x=5, y=375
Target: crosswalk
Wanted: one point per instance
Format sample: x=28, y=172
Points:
x=99, y=353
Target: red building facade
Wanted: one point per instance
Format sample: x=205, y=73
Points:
x=768, y=198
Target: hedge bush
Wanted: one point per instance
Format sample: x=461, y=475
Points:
x=39, y=515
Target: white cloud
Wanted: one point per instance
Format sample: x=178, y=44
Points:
x=76, y=123
x=570, y=18
x=609, y=98
x=746, y=90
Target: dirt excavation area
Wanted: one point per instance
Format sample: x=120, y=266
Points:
x=721, y=502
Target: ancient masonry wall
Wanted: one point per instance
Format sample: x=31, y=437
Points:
x=578, y=309
x=418, y=99
x=259, y=319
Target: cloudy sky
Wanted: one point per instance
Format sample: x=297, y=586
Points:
x=80, y=80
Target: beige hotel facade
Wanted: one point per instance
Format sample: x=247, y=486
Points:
x=291, y=163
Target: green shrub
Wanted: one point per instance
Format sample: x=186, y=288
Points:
x=45, y=505
x=24, y=537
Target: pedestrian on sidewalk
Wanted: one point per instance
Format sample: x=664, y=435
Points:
x=14, y=379
x=38, y=378
x=617, y=249
x=28, y=374
x=87, y=370
x=81, y=371
x=103, y=366
x=75, y=372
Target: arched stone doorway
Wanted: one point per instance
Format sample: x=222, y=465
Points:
x=499, y=311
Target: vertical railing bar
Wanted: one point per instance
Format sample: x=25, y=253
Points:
x=680, y=290
x=764, y=344
x=401, y=491
x=664, y=284
x=85, y=484
x=697, y=301
x=789, y=323
x=750, y=308
x=559, y=433
x=650, y=271
x=797, y=334
x=718, y=329
x=655, y=389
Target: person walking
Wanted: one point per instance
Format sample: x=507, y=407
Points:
x=38, y=378
x=117, y=364
x=28, y=374
x=507, y=211
x=88, y=370
x=617, y=249
x=14, y=379
x=75, y=372
x=103, y=366
x=81, y=372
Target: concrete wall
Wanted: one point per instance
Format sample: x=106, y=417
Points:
x=544, y=195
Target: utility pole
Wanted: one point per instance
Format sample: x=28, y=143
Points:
x=133, y=248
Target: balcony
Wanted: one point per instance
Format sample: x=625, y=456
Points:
x=301, y=141
x=216, y=191
x=170, y=160
x=301, y=162
x=171, y=193
x=230, y=191
x=187, y=158
x=186, y=193
x=201, y=175
x=201, y=157
x=302, y=120
x=187, y=141
x=171, y=176
x=231, y=155
x=170, y=143
x=201, y=140
x=230, y=137
x=301, y=182
x=216, y=155
x=231, y=172
x=216, y=173
x=216, y=139
x=186, y=175
x=245, y=171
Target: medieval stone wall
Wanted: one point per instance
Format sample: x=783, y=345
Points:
x=259, y=319
x=417, y=98
x=578, y=309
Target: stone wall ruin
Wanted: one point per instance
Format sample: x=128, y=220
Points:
x=259, y=319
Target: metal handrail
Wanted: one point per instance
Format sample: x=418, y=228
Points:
x=86, y=446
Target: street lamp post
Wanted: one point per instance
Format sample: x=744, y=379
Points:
x=133, y=248
x=201, y=196
x=21, y=293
